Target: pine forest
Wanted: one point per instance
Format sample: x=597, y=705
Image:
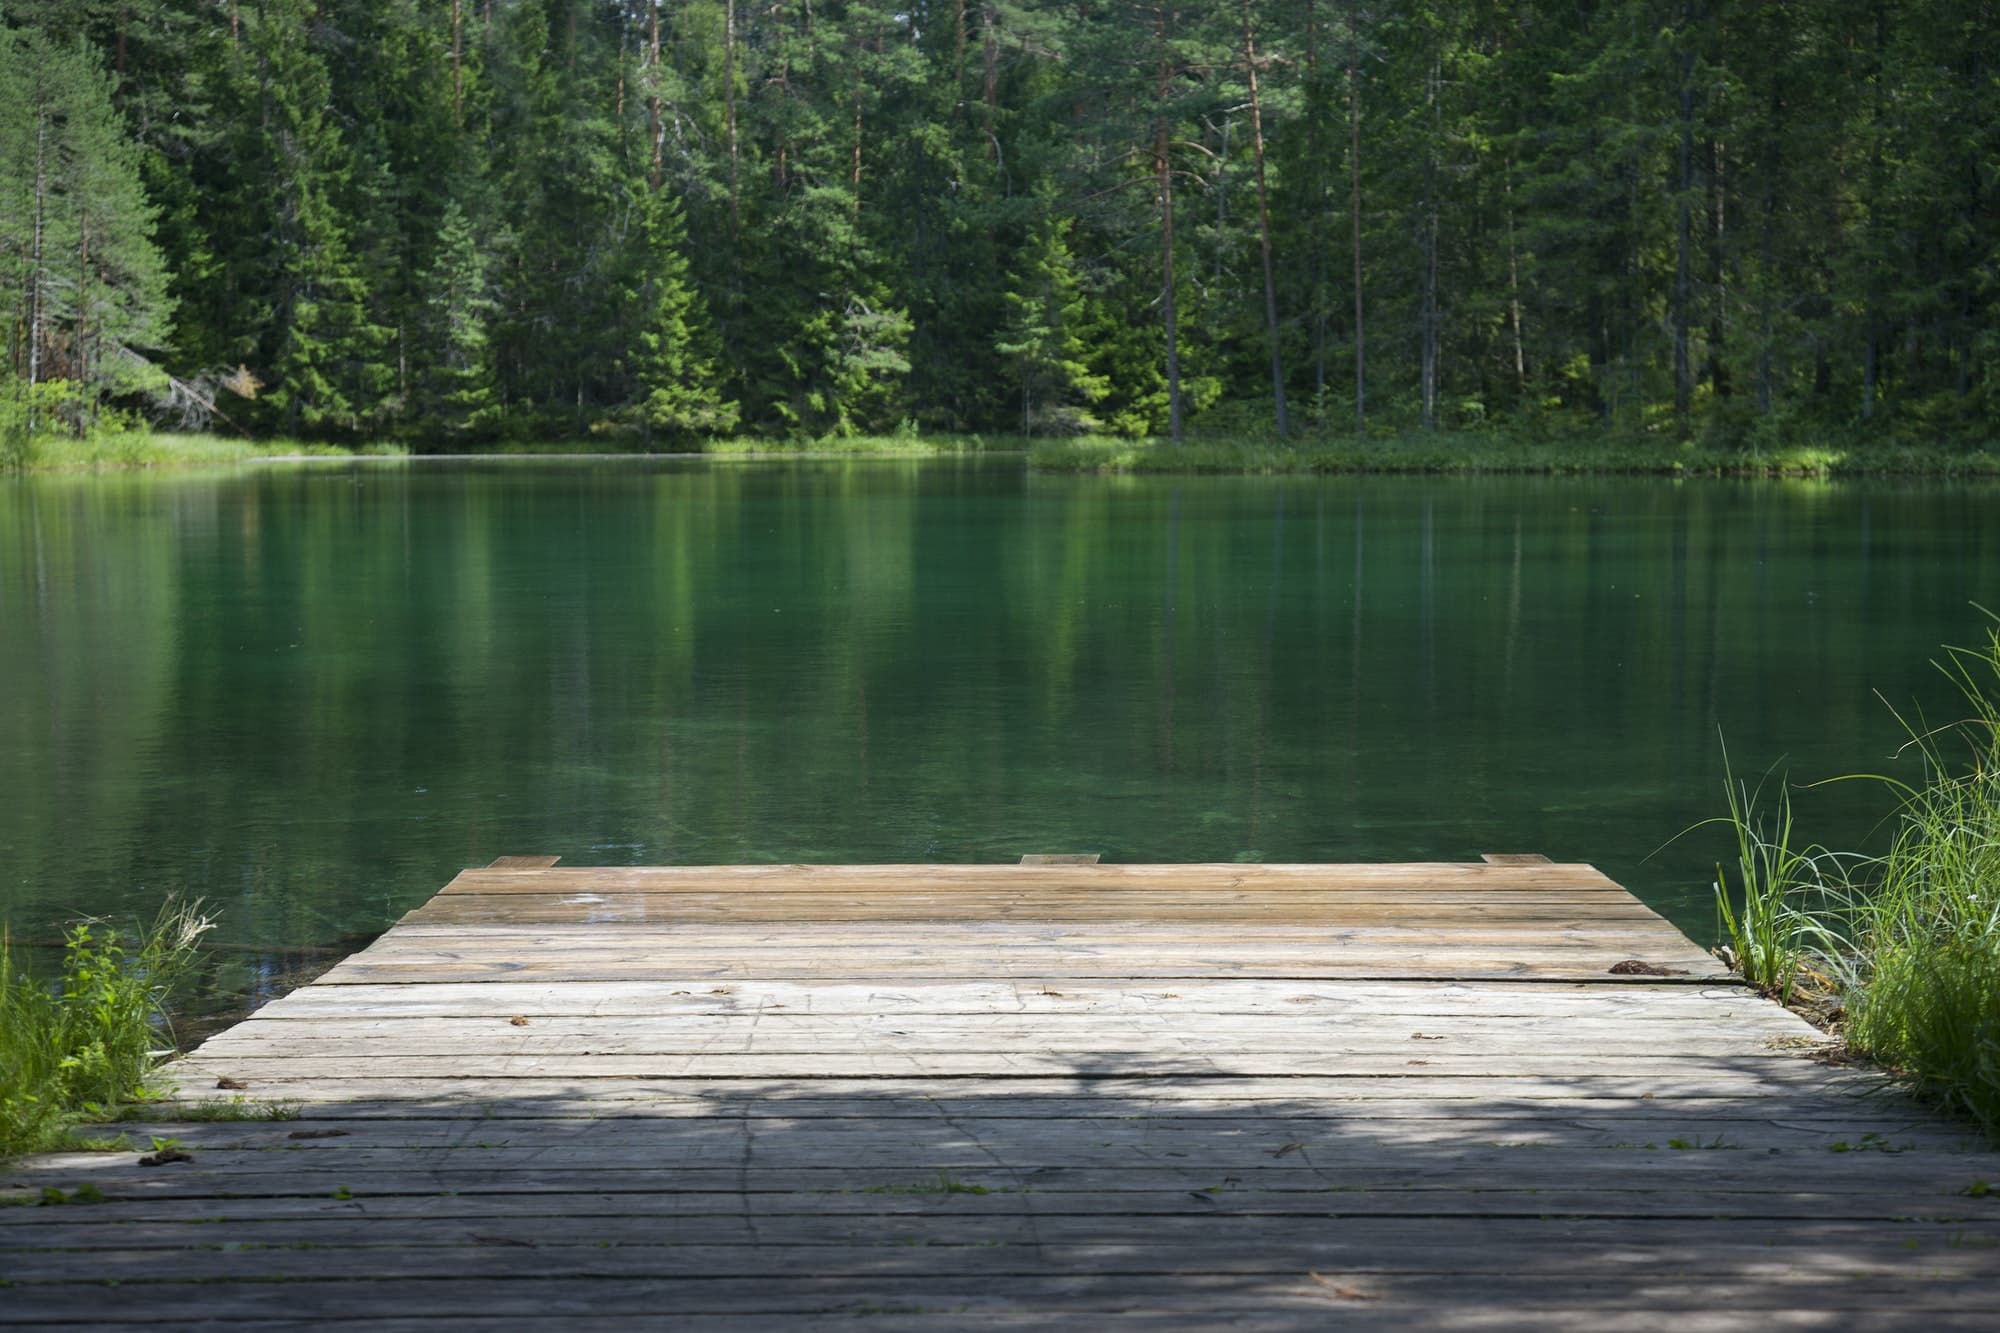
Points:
x=465, y=223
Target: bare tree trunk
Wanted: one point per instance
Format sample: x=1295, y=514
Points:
x=35, y=275
x=729, y=105
x=1354, y=213
x=989, y=50
x=656, y=171
x=1718, y=273
x=1166, y=186
x=80, y=362
x=1264, y=230
x=1162, y=165
x=1684, y=261
x=1514, y=296
x=1322, y=278
x=957, y=56
x=1429, y=350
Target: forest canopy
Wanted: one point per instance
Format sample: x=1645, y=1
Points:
x=458, y=222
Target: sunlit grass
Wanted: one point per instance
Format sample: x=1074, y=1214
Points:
x=1909, y=941
x=121, y=450
x=899, y=445
x=1480, y=452
x=71, y=1051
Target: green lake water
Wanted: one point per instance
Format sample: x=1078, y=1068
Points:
x=310, y=694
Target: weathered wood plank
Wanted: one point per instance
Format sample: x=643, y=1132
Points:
x=1433, y=1204
x=773, y=1096
x=1003, y=1000
x=1665, y=1300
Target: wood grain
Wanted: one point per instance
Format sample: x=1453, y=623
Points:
x=1222, y=1096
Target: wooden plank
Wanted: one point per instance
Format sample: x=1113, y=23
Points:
x=1045, y=1093
x=522, y=862
x=1214, y=997
x=757, y=879
x=1431, y=1203
x=1060, y=859
x=1313, y=908
x=1621, y=1286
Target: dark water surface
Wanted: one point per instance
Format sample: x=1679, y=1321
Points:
x=311, y=694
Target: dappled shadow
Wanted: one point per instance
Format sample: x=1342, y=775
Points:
x=1315, y=1150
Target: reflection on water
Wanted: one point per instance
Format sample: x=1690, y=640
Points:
x=310, y=695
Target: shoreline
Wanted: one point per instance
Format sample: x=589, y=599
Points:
x=1465, y=456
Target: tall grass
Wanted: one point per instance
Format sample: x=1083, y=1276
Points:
x=1909, y=940
x=73, y=1050
x=1772, y=919
x=1923, y=980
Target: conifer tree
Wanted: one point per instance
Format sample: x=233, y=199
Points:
x=81, y=276
x=1042, y=341
x=454, y=393
x=676, y=390
x=306, y=330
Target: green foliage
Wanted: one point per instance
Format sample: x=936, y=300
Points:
x=1771, y=915
x=1910, y=939
x=1924, y=988
x=676, y=384
x=1042, y=342
x=1742, y=226
x=71, y=1050
x=79, y=272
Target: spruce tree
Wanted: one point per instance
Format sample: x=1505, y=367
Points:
x=77, y=261
x=676, y=394
x=1042, y=342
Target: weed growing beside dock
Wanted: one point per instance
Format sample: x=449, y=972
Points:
x=1908, y=944
x=72, y=1051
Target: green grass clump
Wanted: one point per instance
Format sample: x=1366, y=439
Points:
x=123, y=448
x=72, y=1050
x=1909, y=941
x=1924, y=978
x=902, y=444
x=1773, y=918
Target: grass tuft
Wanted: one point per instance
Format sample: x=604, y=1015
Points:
x=71, y=1051
x=1910, y=940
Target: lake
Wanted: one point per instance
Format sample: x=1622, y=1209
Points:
x=309, y=694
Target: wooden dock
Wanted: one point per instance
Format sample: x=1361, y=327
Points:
x=1493, y=1095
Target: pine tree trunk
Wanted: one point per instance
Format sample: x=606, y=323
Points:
x=729, y=105
x=457, y=70
x=80, y=361
x=1354, y=214
x=1264, y=230
x=656, y=170
x=1166, y=187
x=1514, y=297
x=35, y=274
x=1431, y=332
x=989, y=50
x=1162, y=165
x=1718, y=274
x=1684, y=260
